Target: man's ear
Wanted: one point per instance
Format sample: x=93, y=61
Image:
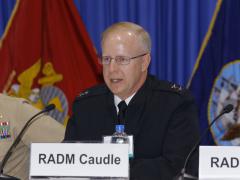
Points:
x=146, y=62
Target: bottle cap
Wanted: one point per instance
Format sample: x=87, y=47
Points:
x=119, y=128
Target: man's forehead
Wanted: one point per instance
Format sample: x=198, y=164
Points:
x=123, y=44
x=122, y=34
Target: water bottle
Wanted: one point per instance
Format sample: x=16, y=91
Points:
x=119, y=137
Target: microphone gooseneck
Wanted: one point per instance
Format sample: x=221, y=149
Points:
x=227, y=109
x=18, y=139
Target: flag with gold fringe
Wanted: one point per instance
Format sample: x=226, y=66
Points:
x=216, y=77
x=46, y=55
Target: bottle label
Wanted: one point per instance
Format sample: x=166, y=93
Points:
x=107, y=139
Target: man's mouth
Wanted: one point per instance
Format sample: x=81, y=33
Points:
x=115, y=80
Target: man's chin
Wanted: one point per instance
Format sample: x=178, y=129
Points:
x=116, y=92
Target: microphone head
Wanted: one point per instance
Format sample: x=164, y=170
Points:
x=228, y=108
x=49, y=107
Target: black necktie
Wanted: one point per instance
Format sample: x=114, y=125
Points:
x=122, y=106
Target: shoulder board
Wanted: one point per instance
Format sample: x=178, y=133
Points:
x=169, y=87
x=93, y=91
x=24, y=101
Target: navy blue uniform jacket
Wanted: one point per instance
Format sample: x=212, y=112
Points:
x=161, y=116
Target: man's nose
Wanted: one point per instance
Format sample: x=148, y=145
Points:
x=113, y=65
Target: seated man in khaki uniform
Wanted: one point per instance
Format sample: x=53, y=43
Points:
x=14, y=113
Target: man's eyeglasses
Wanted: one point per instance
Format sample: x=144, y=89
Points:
x=121, y=60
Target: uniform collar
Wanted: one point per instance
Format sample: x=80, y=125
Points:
x=117, y=100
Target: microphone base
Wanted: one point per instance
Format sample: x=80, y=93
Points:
x=185, y=176
x=7, y=177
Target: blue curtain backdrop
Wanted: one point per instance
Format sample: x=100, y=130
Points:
x=177, y=28
x=6, y=7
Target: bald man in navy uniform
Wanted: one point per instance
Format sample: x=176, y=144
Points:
x=14, y=113
x=161, y=116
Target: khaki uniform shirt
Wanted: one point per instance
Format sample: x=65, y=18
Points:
x=14, y=113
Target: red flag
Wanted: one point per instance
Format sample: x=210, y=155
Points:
x=46, y=54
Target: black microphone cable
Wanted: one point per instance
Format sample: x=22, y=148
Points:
x=226, y=109
x=20, y=135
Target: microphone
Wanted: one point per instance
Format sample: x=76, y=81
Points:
x=18, y=139
x=227, y=109
x=182, y=175
x=49, y=108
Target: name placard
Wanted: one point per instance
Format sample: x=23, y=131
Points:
x=79, y=160
x=219, y=162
